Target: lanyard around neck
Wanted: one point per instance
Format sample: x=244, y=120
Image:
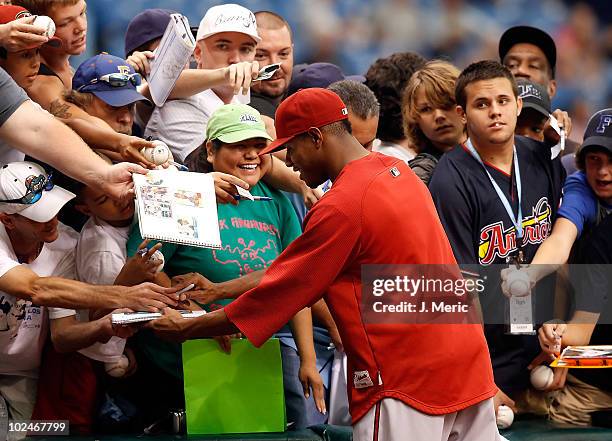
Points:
x=518, y=220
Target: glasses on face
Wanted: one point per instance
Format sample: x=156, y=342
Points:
x=115, y=80
x=34, y=189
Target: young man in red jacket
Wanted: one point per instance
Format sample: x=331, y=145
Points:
x=433, y=381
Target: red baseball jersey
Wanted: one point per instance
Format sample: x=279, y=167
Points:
x=373, y=215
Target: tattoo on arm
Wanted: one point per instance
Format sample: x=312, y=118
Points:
x=60, y=109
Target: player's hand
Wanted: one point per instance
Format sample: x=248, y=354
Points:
x=149, y=297
x=501, y=399
x=311, y=379
x=204, y=291
x=169, y=326
x=129, y=148
x=20, y=34
x=550, y=335
x=141, y=62
x=141, y=267
x=240, y=75
x=225, y=187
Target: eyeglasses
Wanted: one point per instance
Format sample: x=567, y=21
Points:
x=34, y=189
x=115, y=80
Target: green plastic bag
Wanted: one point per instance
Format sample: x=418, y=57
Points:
x=237, y=393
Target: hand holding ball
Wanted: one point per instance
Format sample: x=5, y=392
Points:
x=47, y=23
x=541, y=377
x=505, y=417
x=158, y=155
x=519, y=284
x=157, y=255
x=117, y=368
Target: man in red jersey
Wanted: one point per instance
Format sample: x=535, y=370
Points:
x=439, y=389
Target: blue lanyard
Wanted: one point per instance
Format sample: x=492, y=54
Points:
x=518, y=221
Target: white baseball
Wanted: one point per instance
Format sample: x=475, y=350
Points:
x=518, y=284
x=42, y=21
x=117, y=368
x=505, y=417
x=541, y=377
x=157, y=255
x=158, y=155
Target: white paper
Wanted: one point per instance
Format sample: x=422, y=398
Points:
x=171, y=57
x=521, y=315
x=178, y=207
x=123, y=318
x=246, y=194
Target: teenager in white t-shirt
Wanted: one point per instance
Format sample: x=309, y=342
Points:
x=33, y=242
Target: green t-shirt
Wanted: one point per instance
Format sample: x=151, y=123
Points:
x=253, y=234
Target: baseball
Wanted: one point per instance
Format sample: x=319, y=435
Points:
x=117, y=368
x=505, y=417
x=541, y=377
x=42, y=21
x=158, y=155
x=157, y=255
x=518, y=284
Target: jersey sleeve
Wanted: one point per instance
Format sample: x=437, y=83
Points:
x=455, y=210
x=13, y=96
x=299, y=276
x=579, y=204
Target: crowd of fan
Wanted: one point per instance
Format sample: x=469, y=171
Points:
x=61, y=279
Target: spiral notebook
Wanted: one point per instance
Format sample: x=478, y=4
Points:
x=177, y=207
x=171, y=56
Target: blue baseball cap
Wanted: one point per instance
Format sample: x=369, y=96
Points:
x=147, y=26
x=306, y=76
x=93, y=69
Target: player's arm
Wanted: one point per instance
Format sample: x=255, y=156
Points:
x=287, y=273
x=207, y=292
x=23, y=283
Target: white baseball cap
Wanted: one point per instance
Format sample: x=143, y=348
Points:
x=30, y=191
x=228, y=18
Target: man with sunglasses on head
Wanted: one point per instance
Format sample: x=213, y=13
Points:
x=37, y=263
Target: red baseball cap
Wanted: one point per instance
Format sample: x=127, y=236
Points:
x=305, y=109
x=9, y=13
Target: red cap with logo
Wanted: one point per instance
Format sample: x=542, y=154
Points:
x=305, y=109
x=9, y=13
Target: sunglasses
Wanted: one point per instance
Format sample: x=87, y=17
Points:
x=34, y=188
x=115, y=80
